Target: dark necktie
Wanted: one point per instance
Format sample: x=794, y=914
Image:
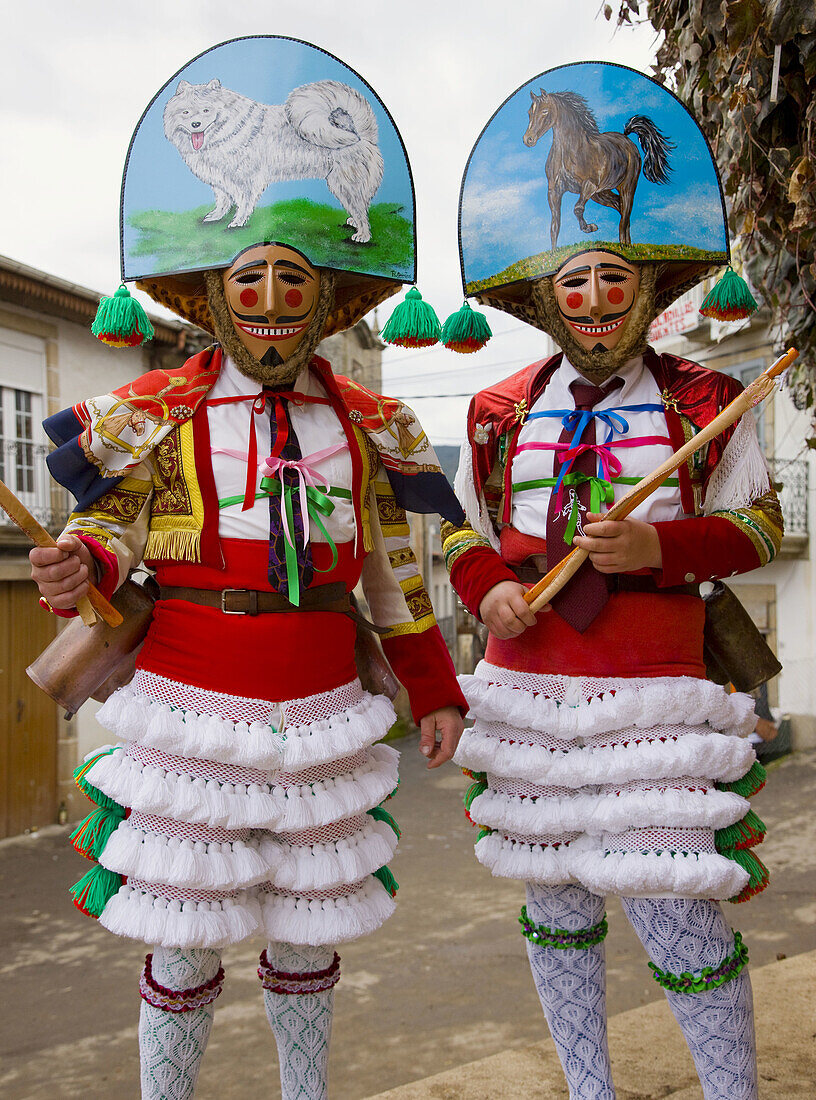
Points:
x=584, y=596
x=285, y=445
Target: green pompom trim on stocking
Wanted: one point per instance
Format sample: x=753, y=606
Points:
x=90, y=838
x=379, y=814
x=749, y=784
x=388, y=880
x=730, y=299
x=466, y=330
x=121, y=322
x=746, y=833
x=90, y=791
x=94, y=890
x=710, y=977
x=759, y=876
x=561, y=938
x=413, y=324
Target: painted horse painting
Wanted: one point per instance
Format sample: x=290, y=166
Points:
x=598, y=167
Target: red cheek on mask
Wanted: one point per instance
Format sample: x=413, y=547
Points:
x=293, y=297
x=575, y=300
x=249, y=297
x=614, y=295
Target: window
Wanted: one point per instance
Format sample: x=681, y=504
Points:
x=23, y=449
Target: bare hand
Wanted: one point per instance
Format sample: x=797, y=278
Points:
x=449, y=722
x=505, y=612
x=62, y=573
x=620, y=546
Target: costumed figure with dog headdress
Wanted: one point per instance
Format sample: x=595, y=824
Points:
x=603, y=760
x=246, y=792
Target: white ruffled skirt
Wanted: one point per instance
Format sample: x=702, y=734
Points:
x=610, y=783
x=246, y=816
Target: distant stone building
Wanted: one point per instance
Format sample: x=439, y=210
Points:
x=357, y=354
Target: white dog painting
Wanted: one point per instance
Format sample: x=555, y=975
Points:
x=324, y=130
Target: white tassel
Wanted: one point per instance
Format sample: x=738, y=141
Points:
x=183, y=797
x=332, y=921
x=184, y=863
x=741, y=476
x=330, y=739
x=597, y=814
x=713, y=755
x=331, y=800
x=635, y=874
x=319, y=866
x=181, y=732
x=152, y=919
x=473, y=502
x=531, y=862
x=666, y=700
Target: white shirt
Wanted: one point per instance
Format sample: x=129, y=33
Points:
x=317, y=427
x=529, y=507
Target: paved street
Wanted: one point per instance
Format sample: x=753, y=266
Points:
x=444, y=983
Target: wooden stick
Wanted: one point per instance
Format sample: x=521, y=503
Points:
x=86, y=605
x=542, y=592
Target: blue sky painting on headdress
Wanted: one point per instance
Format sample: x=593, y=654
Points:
x=504, y=215
x=164, y=202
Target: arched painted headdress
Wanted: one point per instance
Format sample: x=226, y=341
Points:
x=591, y=155
x=267, y=139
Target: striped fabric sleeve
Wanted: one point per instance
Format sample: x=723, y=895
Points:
x=474, y=566
x=115, y=527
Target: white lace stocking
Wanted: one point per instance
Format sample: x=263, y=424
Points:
x=301, y=1023
x=683, y=934
x=171, y=1044
x=571, y=984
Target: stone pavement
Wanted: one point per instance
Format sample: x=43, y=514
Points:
x=443, y=984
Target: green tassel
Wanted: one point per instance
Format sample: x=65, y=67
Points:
x=388, y=880
x=90, y=838
x=758, y=872
x=749, y=784
x=466, y=330
x=121, y=322
x=413, y=324
x=730, y=299
x=473, y=791
x=379, y=814
x=90, y=791
x=483, y=832
x=94, y=890
x=747, y=832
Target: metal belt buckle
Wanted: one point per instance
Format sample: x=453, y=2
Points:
x=224, y=607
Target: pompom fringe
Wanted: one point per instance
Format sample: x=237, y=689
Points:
x=302, y=868
x=153, y=919
x=121, y=322
x=190, y=865
x=666, y=701
x=413, y=324
x=749, y=784
x=713, y=755
x=730, y=299
x=544, y=863
x=656, y=874
x=330, y=921
x=598, y=814
x=466, y=330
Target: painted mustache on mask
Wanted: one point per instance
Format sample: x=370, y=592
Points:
x=263, y=319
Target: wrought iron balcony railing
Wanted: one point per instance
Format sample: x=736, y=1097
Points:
x=791, y=479
x=23, y=469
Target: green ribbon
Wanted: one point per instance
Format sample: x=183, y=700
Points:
x=600, y=491
x=318, y=504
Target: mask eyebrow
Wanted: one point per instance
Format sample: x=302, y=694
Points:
x=297, y=267
x=615, y=267
x=248, y=267
x=575, y=271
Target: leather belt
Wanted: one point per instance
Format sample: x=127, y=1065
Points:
x=616, y=582
x=250, y=601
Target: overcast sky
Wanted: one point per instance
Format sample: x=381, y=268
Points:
x=75, y=78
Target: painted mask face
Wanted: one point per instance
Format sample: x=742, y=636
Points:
x=272, y=293
x=595, y=293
